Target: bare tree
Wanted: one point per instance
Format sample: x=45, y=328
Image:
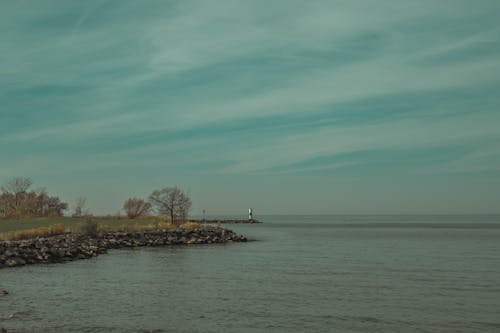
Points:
x=171, y=201
x=17, y=185
x=79, y=206
x=135, y=207
x=14, y=191
x=7, y=205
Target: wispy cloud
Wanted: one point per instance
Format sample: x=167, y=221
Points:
x=239, y=88
x=401, y=134
x=479, y=160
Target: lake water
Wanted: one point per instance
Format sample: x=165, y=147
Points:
x=304, y=274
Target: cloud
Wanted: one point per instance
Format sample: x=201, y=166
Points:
x=486, y=158
x=407, y=134
x=246, y=87
x=203, y=35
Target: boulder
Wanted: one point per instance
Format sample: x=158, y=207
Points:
x=73, y=246
x=15, y=261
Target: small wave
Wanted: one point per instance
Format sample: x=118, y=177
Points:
x=488, y=324
x=4, y=317
x=362, y=319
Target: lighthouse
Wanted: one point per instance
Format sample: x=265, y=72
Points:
x=250, y=217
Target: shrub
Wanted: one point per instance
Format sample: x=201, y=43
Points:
x=135, y=207
x=89, y=228
x=56, y=229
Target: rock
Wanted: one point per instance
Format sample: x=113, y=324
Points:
x=15, y=261
x=9, y=253
x=70, y=247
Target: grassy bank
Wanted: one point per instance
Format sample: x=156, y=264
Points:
x=32, y=227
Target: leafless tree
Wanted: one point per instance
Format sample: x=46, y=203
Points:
x=17, y=185
x=171, y=201
x=13, y=193
x=7, y=204
x=135, y=207
x=79, y=206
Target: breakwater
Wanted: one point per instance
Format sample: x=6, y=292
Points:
x=227, y=221
x=69, y=247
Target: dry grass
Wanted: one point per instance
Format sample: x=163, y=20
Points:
x=158, y=225
x=27, y=229
x=56, y=229
x=191, y=225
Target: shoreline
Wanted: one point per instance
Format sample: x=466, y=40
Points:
x=228, y=221
x=73, y=246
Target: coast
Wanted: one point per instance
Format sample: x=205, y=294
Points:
x=73, y=246
x=230, y=221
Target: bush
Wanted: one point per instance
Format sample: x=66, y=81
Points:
x=135, y=207
x=56, y=229
x=90, y=228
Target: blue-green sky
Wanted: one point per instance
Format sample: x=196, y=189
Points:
x=283, y=106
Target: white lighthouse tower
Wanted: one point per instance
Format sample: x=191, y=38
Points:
x=250, y=216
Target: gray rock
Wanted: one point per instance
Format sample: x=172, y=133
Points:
x=73, y=246
x=15, y=261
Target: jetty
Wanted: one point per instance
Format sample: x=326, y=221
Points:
x=69, y=247
x=226, y=221
x=250, y=220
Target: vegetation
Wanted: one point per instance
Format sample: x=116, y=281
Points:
x=28, y=214
x=135, y=207
x=14, y=229
x=89, y=227
x=79, y=207
x=56, y=229
x=172, y=202
x=17, y=201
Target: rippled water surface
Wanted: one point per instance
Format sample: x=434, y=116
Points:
x=304, y=274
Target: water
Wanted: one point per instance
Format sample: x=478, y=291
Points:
x=304, y=274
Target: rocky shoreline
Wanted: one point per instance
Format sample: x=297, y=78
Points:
x=231, y=221
x=69, y=247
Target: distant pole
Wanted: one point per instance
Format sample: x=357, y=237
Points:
x=250, y=217
x=203, y=215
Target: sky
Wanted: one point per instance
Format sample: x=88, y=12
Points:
x=288, y=107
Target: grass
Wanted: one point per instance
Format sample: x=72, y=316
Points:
x=56, y=229
x=38, y=227
x=70, y=223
